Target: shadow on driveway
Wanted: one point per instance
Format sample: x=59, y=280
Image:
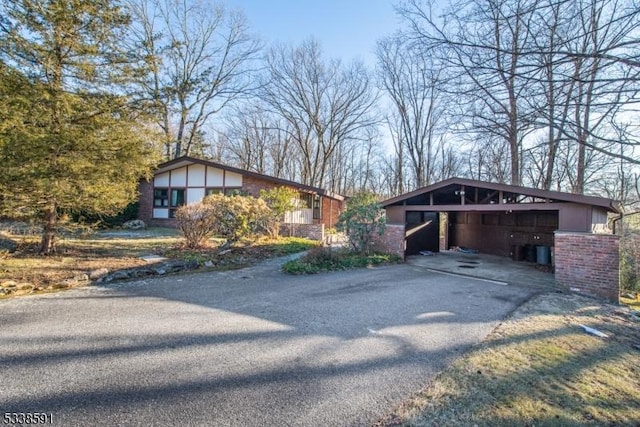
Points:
x=244, y=347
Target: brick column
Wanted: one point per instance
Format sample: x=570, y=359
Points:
x=588, y=263
x=145, y=201
x=392, y=241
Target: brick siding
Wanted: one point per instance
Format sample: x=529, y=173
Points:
x=588, y=263
x=392, y=241
x=145, y=201
x=308, y=231
x=331, y=210
x=253, y=185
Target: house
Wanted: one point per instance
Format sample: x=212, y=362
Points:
x=569, y=230
x=188, y=180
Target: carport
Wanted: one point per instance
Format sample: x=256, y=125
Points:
x=549, y=227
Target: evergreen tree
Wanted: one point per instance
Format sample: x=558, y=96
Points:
x=69, y=139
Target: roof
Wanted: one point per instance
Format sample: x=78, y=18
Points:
x=187, y=160
x=442, y=189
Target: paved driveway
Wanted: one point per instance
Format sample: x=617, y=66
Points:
x=249, y=347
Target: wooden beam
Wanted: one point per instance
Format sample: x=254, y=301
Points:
x=488, y=208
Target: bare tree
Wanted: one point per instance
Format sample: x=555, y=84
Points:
x=482, y=44
x=255, y=140
x=199, y=59
x=410, y=79
x=325, y=105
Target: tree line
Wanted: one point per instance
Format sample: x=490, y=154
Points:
x=542, y=93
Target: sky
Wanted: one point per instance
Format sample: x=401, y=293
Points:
x=346, y=29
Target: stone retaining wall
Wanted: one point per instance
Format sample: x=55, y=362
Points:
x=308, y=231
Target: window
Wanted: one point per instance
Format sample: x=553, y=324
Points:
x=215, y=190
x=177, y=200
x=235, y=192
x=161, y=198
x=317, y=207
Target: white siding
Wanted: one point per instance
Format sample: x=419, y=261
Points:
x=233, y=179
x=179, y=177
x=194, y=195
x=214, y=177
x=161, y=213
x=196, y=175
x=300, y=216
x=161, y=180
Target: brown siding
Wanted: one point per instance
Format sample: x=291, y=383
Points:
x=588, y=263
x=395, y=214
x=575, y=218
x=496, y=233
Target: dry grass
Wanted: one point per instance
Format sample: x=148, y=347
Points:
x=27, y=272
x=540, y=368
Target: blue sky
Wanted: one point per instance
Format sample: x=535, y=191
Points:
x=346, y=29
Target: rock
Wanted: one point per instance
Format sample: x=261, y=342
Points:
x=8, y=284
x=8, y=245
x=25, y=286
x=208, y=263
x=97, y=274
x=81, y=278
x=120, y=275
x=134, y=224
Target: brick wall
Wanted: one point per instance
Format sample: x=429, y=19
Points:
x=392, y=241
x=588, y=263
x=331, y=210
x=145, y=201
x=253, y=185
x=308, y=231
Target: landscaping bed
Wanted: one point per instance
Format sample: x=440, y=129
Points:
x=109, y=255
x=540, y=367
x=326, y=259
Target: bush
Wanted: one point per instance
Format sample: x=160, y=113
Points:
x=630, y=262
x=196, y=223
x=280, y=200
x=361, y=221
x=236, y=217
x=107, y=221
x=325, y=259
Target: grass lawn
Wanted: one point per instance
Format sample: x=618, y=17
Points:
x=539, y=367
x=26, y=271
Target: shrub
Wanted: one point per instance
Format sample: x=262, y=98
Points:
x=196, y=223
x=361, y=221
x=324, y=259
x=280, y=200
x=236, y=217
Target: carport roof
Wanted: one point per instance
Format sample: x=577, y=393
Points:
x=462, y=191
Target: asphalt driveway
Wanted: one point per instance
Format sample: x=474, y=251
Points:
x=247, y=347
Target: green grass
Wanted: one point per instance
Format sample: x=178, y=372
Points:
x=323, y=259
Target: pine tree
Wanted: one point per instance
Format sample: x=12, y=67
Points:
x=69, y=139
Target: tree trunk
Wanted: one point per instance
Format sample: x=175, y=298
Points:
x=48, y=242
